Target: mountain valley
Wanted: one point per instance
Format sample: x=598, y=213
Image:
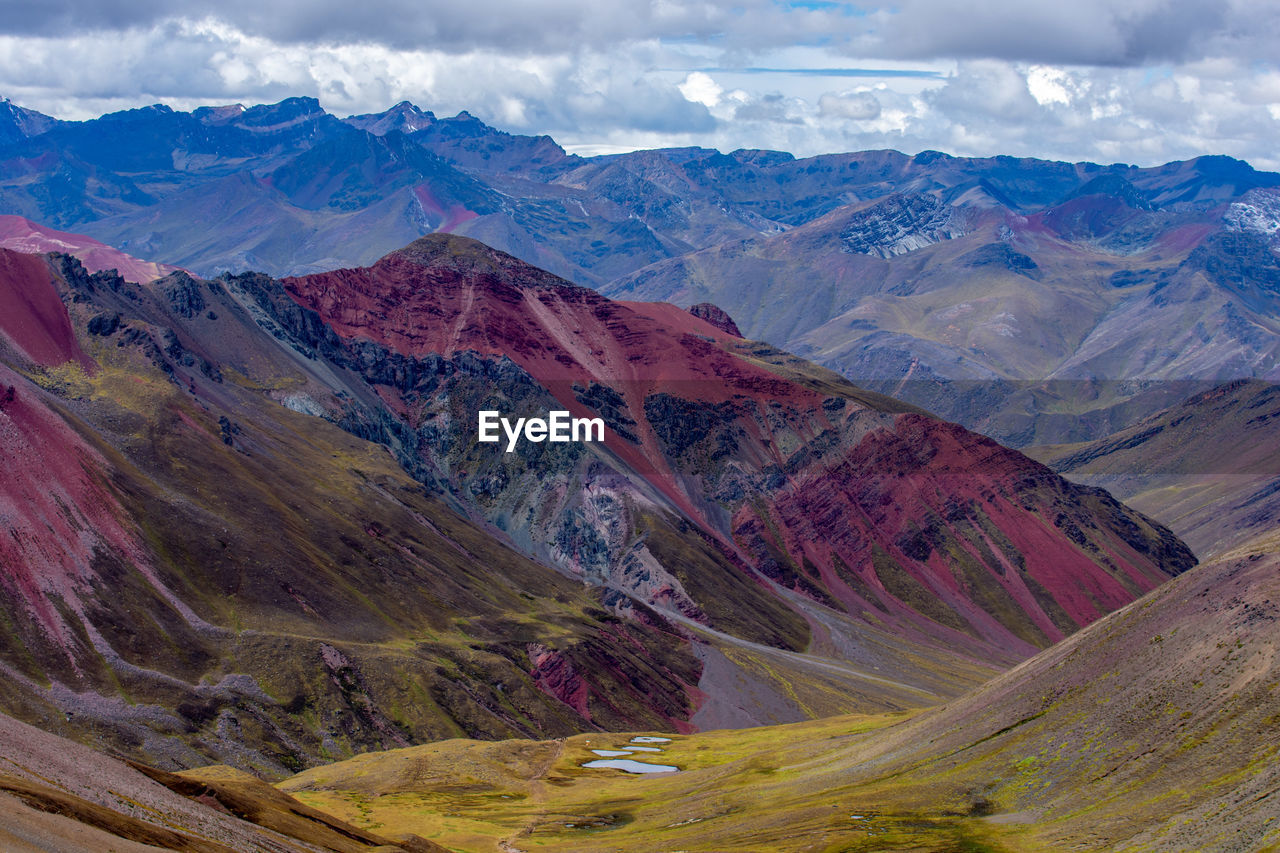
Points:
x=1144, y=731
x=270, y=480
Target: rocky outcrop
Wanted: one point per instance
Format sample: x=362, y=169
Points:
x=901, y=224
x=716, y=316
x=184, y=294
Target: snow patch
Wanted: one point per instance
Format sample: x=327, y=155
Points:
x=1258, y=212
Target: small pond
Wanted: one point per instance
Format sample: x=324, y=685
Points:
x=632, y=766
x=613, y=759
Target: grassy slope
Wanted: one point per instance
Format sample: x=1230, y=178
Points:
x=1208, y=467
x=59, y=795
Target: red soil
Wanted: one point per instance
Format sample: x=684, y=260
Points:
x=450, y=217
x=34, y=319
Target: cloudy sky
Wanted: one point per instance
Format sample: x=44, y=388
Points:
x=1137, y=81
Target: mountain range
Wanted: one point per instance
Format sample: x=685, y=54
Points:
x=1146, y=730
x=253, y=534
x=237, y=472
x=1034, y=301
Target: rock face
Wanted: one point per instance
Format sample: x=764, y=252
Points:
x=226, y=537
x=901, y=224
x=716, y=316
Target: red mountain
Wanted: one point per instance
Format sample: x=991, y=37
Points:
x=850, y=499
x=217, y=558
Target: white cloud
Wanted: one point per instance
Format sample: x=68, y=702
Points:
x=1049, y=85
x=701, y=89
x=1133, y=80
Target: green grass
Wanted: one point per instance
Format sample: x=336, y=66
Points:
x=793, y=787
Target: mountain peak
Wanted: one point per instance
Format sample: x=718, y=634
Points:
x=288, y=110
x=18, y=122
x=466, y=124
x=220, y=114
x=404, y=117
x=465, y=255
x=139, y=113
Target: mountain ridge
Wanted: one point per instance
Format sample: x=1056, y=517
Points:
x=284, y=456
x=1206, y=466
x=986, y=289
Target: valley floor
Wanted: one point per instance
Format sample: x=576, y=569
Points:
x=743, y=790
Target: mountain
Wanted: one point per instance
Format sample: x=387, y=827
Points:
x=757, y=450
x=1032, y=325
x=251, y=523
x=18, y=123
x=1148, y=730
x=195, y=571
x=1209, y=467
x=404, y=117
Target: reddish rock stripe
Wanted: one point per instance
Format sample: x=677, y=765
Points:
x=34, y=320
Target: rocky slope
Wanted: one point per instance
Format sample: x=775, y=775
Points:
x=215, y=557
